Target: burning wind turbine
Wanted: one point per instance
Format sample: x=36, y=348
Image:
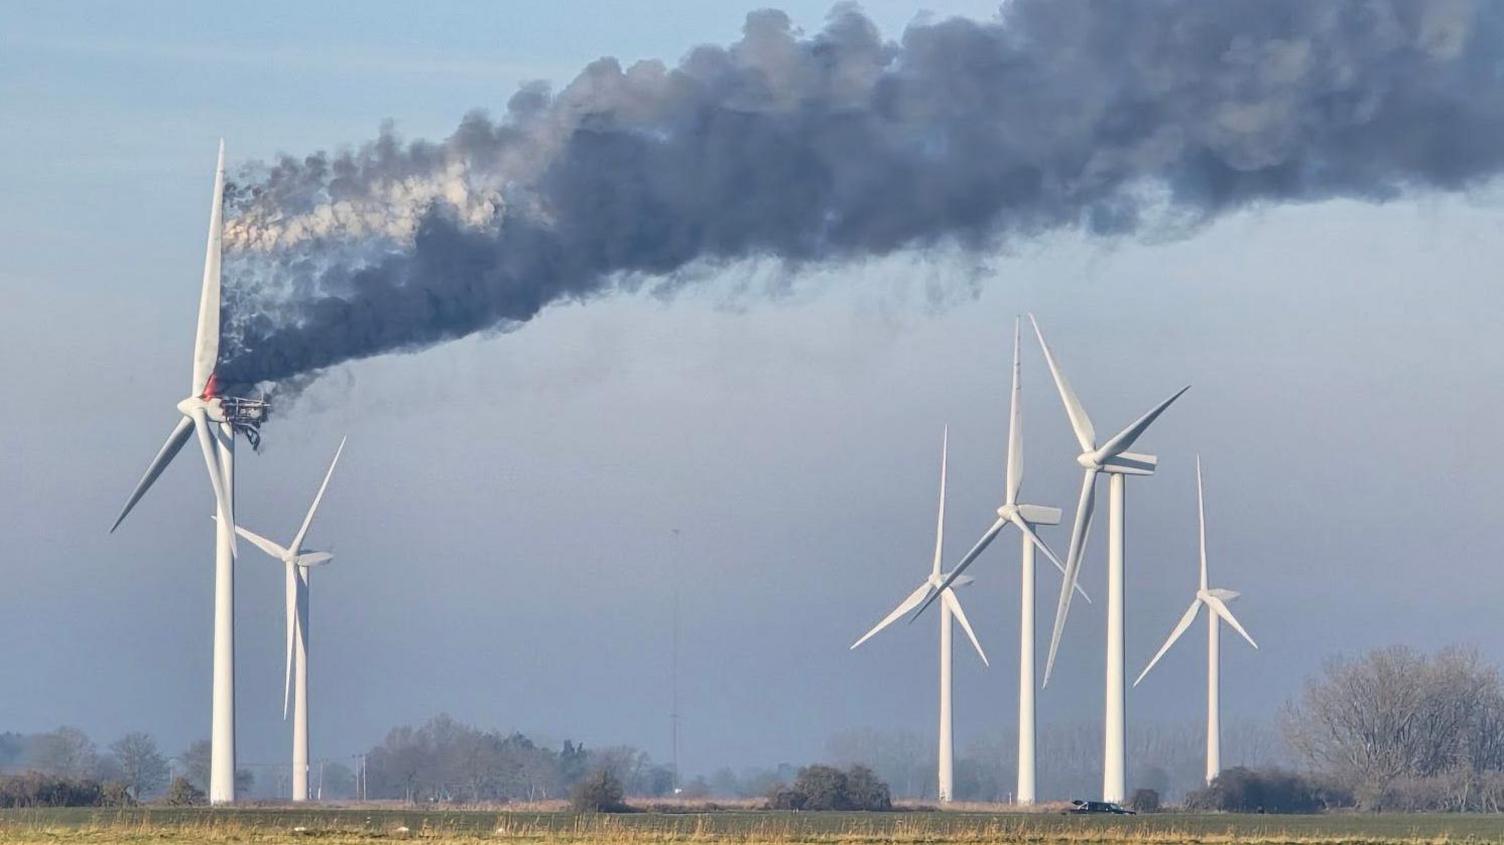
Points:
x=214, y=419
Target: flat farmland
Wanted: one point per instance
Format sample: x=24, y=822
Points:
x=355, y=825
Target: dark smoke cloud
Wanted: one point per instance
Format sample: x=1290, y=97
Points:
x=1100, y=116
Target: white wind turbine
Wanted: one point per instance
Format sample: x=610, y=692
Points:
x=1113, y=458
x=1216, y=600
x=1024, y=518
x=204, y=413
x=949, y=606
x=295, y=685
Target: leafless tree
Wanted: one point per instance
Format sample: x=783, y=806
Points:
x=66, y=752
x=1396, y=721
x=142, y=767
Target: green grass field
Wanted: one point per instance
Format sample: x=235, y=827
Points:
x=339, y=826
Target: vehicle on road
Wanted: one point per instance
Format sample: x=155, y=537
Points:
x=1082, y=808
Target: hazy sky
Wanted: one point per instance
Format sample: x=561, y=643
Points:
x=503, y=514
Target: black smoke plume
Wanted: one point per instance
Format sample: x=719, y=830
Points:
x=1106, y=117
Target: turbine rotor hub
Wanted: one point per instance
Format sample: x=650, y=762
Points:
x=212, y=408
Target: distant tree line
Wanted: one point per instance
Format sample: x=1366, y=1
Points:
x=64, y=767
x=1394, y=729
x=444, y=760
x=67, y=763
x=1168, y=759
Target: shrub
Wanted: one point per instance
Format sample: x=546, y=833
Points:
x=116, y=794
x=1144, y=801
x=34, y=789
x=786, y=798
x=182, y=793
x=1244, y=790
x=865, y=792
x=823, y=788
x=828, y=788
x=598, y=792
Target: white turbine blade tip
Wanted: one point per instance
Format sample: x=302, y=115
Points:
x=170, y=448
x=955, y=608
x=1080, y=421
x=903, y=607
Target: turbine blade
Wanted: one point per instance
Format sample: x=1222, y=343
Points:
x=1123, y=439
x=313, y=559
x=292, y=624
x=297, y=541
x=1015, y=469
x=1201, y=520
x=961, y=567
x=1084, y=507
x=1028, y=530
x=211, y=463
x=903, y=607
x=940, y=519
x=262, y=543
x=955, y=608
x=1080, y=422
x=1220, y=608
x=206, y=341
x=169, y=450
x=1184, y=623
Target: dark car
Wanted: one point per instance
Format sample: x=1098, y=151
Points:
x=1089, y=807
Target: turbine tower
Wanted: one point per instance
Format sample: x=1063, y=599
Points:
x=295, y=684
x=1113, y=458
x=1024, y=518
x=214, y=419
x=949, y=606
x=1216, y=600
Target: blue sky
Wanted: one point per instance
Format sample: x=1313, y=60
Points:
x=503, y=514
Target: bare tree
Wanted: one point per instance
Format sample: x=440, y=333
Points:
x=196, y=763
x=142, y=766
x=66, y=752
x=1394, y=717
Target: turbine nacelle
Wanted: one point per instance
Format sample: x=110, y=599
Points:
x=937, y=582
x=212, y=408
x=298, y=558
x=1032, y=514
x=1123, y=463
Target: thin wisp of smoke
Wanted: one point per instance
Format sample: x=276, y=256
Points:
x=1109, y=118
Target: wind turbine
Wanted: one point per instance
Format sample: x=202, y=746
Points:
x=1113, y=458
x=949, y=606
x=205, y=414
x=1216, y=600
x=298, y=563
x=1024, y=518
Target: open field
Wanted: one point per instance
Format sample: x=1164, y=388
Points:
x=339, y=826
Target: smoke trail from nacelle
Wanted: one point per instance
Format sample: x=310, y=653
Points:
x=1060, y=114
